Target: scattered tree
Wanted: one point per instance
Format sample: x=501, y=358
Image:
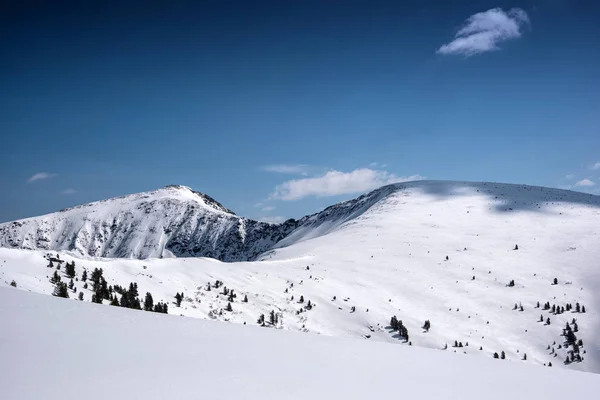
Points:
x=555, y=282
x=502, y=355
x=70, y=269
x=229, y=308
x=61, y=290
x=496, y=355
x=80, y=296
x=148, y=302
x=13, y=283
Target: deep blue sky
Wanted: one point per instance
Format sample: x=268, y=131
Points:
x=115, y=98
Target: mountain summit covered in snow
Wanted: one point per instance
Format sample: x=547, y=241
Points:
x=178, y=221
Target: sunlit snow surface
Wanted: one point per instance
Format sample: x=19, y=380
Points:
x=60, y=349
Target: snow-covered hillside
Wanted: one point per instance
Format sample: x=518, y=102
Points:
x=59, y=349
x=171, y=221
x=361, y=262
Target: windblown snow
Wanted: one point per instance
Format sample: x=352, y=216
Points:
x=428, y=250
x=60, y=349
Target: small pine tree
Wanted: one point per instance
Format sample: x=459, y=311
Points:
x=245, y=299
x=502, y=355
x=537, y=305
x=583, y=309
x=301, y=299
x=114, y=301
x=70, y=269
x=555, y=281
x=577, y=307
x=496, y=355
x=178, y=298
x=84, y=275
x=272, y=317
x=548, y=321
x=71, y=284
x=524, y=356
x=13, y=283
x=96, y=298
x=85, y=285
x=550, y=364
x=521, y=308
x=229, y=308
x=80, y=296
x=261, y=320
x=61, y=290
x=541, y=318
x=148, y=302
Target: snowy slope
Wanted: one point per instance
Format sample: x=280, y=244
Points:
x=59, y=349
x=173, y=221
x=384, y=254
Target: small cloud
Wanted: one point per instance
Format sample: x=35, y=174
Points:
x=298, y=169
x=569, y=176
x=273, y=219
x=585, y=183
x=69, y=191
x=268, y=208
x=335, y=183
x=595, y=166
x=41, y=175
x=483, y=31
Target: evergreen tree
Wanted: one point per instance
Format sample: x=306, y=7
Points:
x=583, y=309
x=229, y=308
x=555, y=281
x=71, y=284
x=245, y=299
x=456, y=343
x=85, y=285
x=230, y=299
x=548, y=321
x=70, y=269
x=55, y=278
x=95, y=278
x=84, y=275
x=261, y=320
x=427, y=325
x=549, y=364
x=525, y=357
x=502, y=355
x=301, y=299
x=537, y=305
x=13, y=283
x=61, y=290
x=96, y=298
x=541, y=318
x=496, y=355
x=577, y=307
x=114, y=301
x=80, y=296
x=178, y=299
x=272, y=317
x=148, y=302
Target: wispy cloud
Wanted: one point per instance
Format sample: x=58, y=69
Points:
x=273, y=219
x=483, y=32
x=595, y=166
x=41, y=175
x=69, y=191
x=336, y=183
x=569, y=176
x=585, y=183
x=268, y=208
x=297, y=169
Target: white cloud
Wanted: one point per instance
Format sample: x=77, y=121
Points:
x=41, y=175
x=268, y=208
x=298, y=169
x=585, y=183
x=336, y=183
x=483, y=31
x=595, y=166
x=69, y=191
x=570, y=176
x=273, y=219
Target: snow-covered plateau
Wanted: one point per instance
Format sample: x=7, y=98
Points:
x=473, y=259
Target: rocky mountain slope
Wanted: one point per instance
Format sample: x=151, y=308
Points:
x=173, y=221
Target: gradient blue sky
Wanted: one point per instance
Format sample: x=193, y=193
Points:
x=237, y=99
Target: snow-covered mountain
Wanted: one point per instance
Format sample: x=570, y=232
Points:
x=56, y=349
x=172, y=221
x=472, y=258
